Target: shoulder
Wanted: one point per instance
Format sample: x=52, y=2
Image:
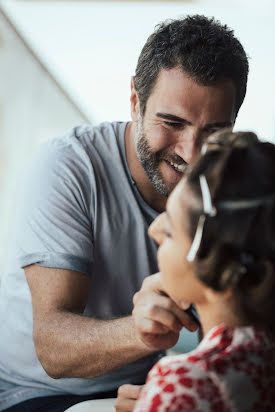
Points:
x=73, y=164
x=179, y=370
x=82, y=142
x=74, y=154
x=105, y=137
x=174, y=384
x=60, y=169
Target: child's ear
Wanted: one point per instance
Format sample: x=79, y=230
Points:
x=135, y=107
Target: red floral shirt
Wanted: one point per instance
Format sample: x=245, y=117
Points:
x=231, y=370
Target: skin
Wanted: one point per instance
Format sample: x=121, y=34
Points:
x=69, y=344
x=169, y=230
x=85, y=347
x=180, y=114
x=178, y=280
x=127, y=396
x=177, y=275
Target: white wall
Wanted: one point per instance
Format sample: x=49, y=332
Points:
x=32, y=108
x=93, y=47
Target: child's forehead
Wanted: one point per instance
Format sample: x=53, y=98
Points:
x=178, y=199
x=176, y=194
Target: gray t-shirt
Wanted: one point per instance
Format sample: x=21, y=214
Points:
x=79, y=209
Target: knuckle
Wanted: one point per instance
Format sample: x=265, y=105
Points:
x=121, y=389
x=145, y=327
x=153, y=310
x=140, y=325
x=136, y=297
x=147, y=282
x=137, y=316
x=134, y=313
x=169, y=305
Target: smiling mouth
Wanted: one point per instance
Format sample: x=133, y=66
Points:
x=178, y=168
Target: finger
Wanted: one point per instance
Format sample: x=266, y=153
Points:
x=153, y=283
x=129, y=391
x=124, y=405
x=180, y=312
x=160, y=342
x=157, y=320
x=161, y=321
x=164, y=311
x=187, y=320
x=149, y=326
x=147, y=297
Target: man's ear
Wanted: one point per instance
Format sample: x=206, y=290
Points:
x=134, y=101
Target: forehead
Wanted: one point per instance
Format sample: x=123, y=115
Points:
x=180, y=200
x=177, y=93
x=175, y=203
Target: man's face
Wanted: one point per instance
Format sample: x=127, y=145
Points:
x=180, y=114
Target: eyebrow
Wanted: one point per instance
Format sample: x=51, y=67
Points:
x=168, y=116
x=172, y=117
x=219, y=124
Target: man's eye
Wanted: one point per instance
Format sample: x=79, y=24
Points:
x=213, y=130
x=174, y=125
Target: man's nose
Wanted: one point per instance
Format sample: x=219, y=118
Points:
x=186, y=147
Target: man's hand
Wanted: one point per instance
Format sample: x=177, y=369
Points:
x=157, y=317
x=126, y=397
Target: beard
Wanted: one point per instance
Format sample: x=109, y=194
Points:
x=150, y=161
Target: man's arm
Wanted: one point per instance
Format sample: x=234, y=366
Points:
x=69, y=344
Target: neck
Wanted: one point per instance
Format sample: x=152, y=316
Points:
x=216, y=313
x=144, y=185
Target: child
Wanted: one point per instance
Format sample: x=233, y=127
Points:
x=217, y=250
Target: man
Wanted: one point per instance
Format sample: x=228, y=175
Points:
x=81, y=250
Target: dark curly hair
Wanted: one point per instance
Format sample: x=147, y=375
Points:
x=237, y=248
x=201, y=47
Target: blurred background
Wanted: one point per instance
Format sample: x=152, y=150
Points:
x=63, y=63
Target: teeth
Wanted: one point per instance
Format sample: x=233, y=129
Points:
x=179, y=168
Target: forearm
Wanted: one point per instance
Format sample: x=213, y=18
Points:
x=72, y=345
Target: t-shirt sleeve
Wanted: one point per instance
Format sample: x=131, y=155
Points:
x=176, y=386
x=54, y=223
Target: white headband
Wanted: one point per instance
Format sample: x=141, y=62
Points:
x=208, y=209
